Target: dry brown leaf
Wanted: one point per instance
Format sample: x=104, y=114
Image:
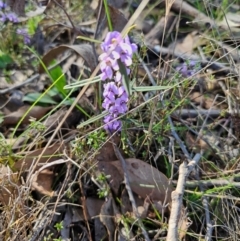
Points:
x=187, y=45
x=83, y=50
x=116, y=178
x=36, y=112
x=107, y=153
x=8, y=185
x=51, y=154
x=204, y=101
x=194, y=143
x=43, y=181
x=107, y=217
x=117, y=17
x=145, y=180
x=116, y=3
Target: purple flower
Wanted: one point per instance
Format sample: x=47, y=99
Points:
x=115, y=49
x=111, y=40
x=2, y=5
x=23, y=32
x=122, y=103
x=110, y=87
x=107, y=66
x=133, y=46
x=12, y=17
x=111, y=124
x=3, y=18
x=188, y=69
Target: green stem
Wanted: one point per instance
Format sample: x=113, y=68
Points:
x=108, y=15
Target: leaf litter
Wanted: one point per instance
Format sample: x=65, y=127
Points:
x=73, y=186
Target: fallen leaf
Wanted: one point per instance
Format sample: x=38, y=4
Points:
x=42, y=179
x=51, y=154
x=187, y=45
x=117, y=18
x=115, y=179
x=107, y=217
x=107, y=153
x=36, y=112
x=116, y=3
x=83, y=50
x=42, y=182
x=145, y=180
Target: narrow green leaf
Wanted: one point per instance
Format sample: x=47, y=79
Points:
x=108, y=15
x=57, y=73
x=32, y=97
x=125, y=79
x=83, y=82
x=151, y=88
x=93, y=119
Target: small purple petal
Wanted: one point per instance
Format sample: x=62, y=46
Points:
x=112, y=125
x=127, y=60
x=118, y=77
x=23, y=32
x=111, y=87
x=12, y=17
x=2, y=5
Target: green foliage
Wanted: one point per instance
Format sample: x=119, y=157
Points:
x=108, y=15
x=104, y=190
x=5, y=59
x=37, y=125
x=32, y=24
x=59, y=226
x=102, y=193
x=42, y=99
x=95, y=139
x=57, y=74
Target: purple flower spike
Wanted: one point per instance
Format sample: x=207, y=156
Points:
x=115, y=49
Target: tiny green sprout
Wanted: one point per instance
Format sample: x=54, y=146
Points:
x=102, y=177
x=37, y=125
x=102, y=193
x=95, y=139
x=57, y=239
x=48, y=238
x=59, y=226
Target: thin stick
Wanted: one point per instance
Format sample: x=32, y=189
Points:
x=177, y=197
